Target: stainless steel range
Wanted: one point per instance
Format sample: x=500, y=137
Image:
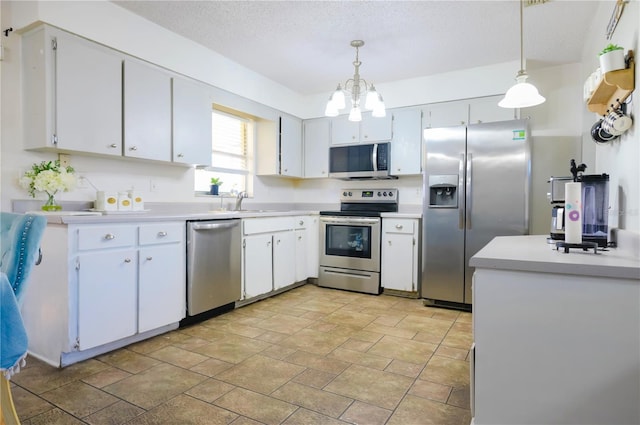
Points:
x=350, y=252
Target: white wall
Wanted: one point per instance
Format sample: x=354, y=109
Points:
x=620, y=158
x=556, y=125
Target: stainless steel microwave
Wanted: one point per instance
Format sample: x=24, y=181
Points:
x=365, y=161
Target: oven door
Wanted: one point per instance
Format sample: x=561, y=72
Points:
x=350, y=242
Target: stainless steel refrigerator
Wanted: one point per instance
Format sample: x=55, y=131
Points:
x=476, y=186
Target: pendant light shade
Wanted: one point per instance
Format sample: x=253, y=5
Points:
x=522, y=94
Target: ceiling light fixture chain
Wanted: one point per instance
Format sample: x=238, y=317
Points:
x=522, y=94
x=356, y=87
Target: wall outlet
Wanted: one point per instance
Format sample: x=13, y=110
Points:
x=153, y=185
x=65, y=160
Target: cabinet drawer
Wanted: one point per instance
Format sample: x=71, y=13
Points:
x=398, y=225
x=101, y=237
x=161, y=233
x=267, y=225
x=302, y=221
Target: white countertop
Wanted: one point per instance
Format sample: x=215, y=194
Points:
x=77, y=217
x=534, y=254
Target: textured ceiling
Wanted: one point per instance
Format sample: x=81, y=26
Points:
x=305, y=45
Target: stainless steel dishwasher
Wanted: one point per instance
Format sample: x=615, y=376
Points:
x=213, y=266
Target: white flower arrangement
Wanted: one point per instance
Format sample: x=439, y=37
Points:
x=49, y=177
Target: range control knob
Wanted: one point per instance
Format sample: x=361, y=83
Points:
x=350, y=194
x=391, y=194
x=379, y=193
x=344, y=193
x=384, y=193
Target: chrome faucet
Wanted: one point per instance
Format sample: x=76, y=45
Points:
x=241, y=195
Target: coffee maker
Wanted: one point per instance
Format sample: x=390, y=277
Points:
x=595, y=206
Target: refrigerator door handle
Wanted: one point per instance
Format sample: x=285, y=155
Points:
x=460, y=196
x=468, y=203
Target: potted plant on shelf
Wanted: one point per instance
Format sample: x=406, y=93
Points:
x=612, y=58
x=215, y=184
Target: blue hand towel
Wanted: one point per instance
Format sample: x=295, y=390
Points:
x=13, y=336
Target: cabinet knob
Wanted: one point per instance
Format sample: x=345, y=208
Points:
x=180, y=155
x=109, y=236
x=324, y=172
x=269, y=243
x=113, y=145
x=149, y=258
x=133, y=148
x=389, y=243
x=286, y=169
x=398, y=226
x=353, y=137
x=299, y=238
x=366, y=136
x=127, y=260
x=278, y=241
x=162, y=234
x=301, y=222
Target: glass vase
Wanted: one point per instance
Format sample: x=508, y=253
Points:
x=51, y=204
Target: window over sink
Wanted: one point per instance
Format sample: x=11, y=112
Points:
x=231, y=153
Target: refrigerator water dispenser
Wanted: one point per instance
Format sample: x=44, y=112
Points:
x=443, y=191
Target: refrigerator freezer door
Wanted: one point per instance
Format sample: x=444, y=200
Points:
x=443, y=230
x=498, y=175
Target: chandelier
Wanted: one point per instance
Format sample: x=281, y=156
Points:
x=356, y=87
x=522, y=94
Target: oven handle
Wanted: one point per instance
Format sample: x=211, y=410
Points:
x=350, y=220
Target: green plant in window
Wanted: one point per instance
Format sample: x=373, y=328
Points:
x=610, y=48
x=215, y=181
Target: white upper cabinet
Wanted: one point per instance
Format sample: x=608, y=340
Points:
x=147, y=111
x=72, y=93
x=486, y=109
x=406, y=145
x=369, y=130
x=446, y=114
x=290, y=146
x=316, y=147
x=279, y=147
x=192, y=108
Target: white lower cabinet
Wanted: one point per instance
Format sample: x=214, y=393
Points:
x=257, y=265
x=277, y=252
x=103, y=286
x=161, y=263
x=307, y=230
x=107, y=307
x=399, y=268
x=284, y=251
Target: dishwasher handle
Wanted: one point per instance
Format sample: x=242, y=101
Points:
x=215, y=225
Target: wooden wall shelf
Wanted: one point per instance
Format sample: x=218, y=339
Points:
x=613, y=89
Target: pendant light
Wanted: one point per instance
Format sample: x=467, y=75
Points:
x=356, y=87
x=522, y=94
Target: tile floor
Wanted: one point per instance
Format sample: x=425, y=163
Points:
x=308, y=356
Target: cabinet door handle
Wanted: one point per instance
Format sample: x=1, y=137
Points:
x=299, y=238
x=109, y=236
x=162, y=234
x=269, y=243
x=113, y=145
x=301, y=222
x=149, y=258
x=389, y=243
x=399, y=226
x=180, y=155
x=278, y=241
x=133, y=148
x=366, y=136
x=127, y=260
